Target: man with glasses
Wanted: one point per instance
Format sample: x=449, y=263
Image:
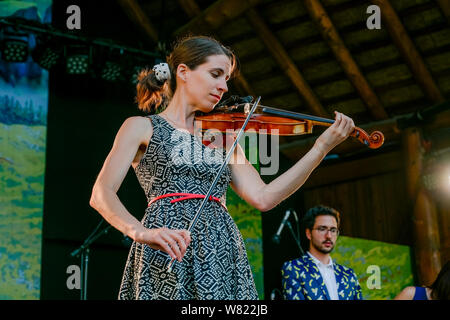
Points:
x=315, y=276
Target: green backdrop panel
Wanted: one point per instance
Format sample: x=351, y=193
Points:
x=383, y=269
x=248, y=220
x=22, y=166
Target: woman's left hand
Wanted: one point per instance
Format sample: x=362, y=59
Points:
x=339, y=131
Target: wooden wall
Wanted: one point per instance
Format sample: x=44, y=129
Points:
x=444, y=229
x=372, y=202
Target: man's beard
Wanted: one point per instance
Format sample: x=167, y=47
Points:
x=323, y=249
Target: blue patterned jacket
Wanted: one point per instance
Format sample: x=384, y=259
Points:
x=301, y=280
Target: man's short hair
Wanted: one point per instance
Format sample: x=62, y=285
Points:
x=310, y=217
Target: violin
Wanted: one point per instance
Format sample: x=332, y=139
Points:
x=268, y=120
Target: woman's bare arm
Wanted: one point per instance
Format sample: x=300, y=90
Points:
x=104, y=199
x=104, y=193
x=247, y=183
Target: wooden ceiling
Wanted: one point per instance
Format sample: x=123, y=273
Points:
x=315, y=57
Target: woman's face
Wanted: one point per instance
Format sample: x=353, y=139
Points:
x=206, y=84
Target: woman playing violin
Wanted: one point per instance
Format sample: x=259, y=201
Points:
x=212, y=261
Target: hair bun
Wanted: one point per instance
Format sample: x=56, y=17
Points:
x=150, y=92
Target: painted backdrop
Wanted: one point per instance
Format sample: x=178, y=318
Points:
x=383, y=269
x=23, y=121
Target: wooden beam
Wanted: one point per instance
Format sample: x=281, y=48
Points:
x=356, y=49
x=408, y=50
x=342, y=54
x=445, y=7
x=190, y=7
x=138, y=16
x=424, y=215
x=215, y=16
x=286, y=63
x=192, y=10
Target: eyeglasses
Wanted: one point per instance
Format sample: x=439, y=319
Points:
x=324, y=230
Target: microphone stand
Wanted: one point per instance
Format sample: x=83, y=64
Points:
x=83, y=252
x=276, y=238
x=297, y=240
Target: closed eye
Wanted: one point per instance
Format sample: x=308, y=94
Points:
x=216, y=73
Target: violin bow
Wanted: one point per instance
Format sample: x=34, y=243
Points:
x=216, y=179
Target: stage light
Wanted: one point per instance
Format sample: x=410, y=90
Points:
x=111, y=71
x=77, y=64
x=14, y=46
x=48, y=58
x=78, y=59
x=15, y=51
x=135, y=73
x=135, y=67
x=47, y=54
x=111, y=63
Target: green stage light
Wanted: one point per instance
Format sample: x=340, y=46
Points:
x=77, y=64
x=15, y=50
x=111, y=71
x=46, y=54
x=78, y=59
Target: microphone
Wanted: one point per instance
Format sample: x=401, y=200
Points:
x=233, y=100
x=274, y=294
x=247, y=99
x=276, y=237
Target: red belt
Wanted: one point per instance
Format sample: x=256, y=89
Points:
x=185, y=196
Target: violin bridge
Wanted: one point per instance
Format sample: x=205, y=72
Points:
x=247, y=108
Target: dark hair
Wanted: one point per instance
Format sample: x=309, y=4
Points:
x=440, y=289
x=310, y=217
x=192, y=51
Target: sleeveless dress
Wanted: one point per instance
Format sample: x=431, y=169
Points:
x=215, y=265
x=420, y=293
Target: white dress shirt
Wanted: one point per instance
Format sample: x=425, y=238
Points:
x=327, y=272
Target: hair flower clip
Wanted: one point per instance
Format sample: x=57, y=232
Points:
x=162, y=71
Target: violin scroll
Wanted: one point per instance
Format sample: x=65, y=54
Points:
x=373, y=141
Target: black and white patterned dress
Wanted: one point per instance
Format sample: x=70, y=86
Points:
x=215, y=265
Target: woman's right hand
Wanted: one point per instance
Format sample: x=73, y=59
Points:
x=173, y=242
